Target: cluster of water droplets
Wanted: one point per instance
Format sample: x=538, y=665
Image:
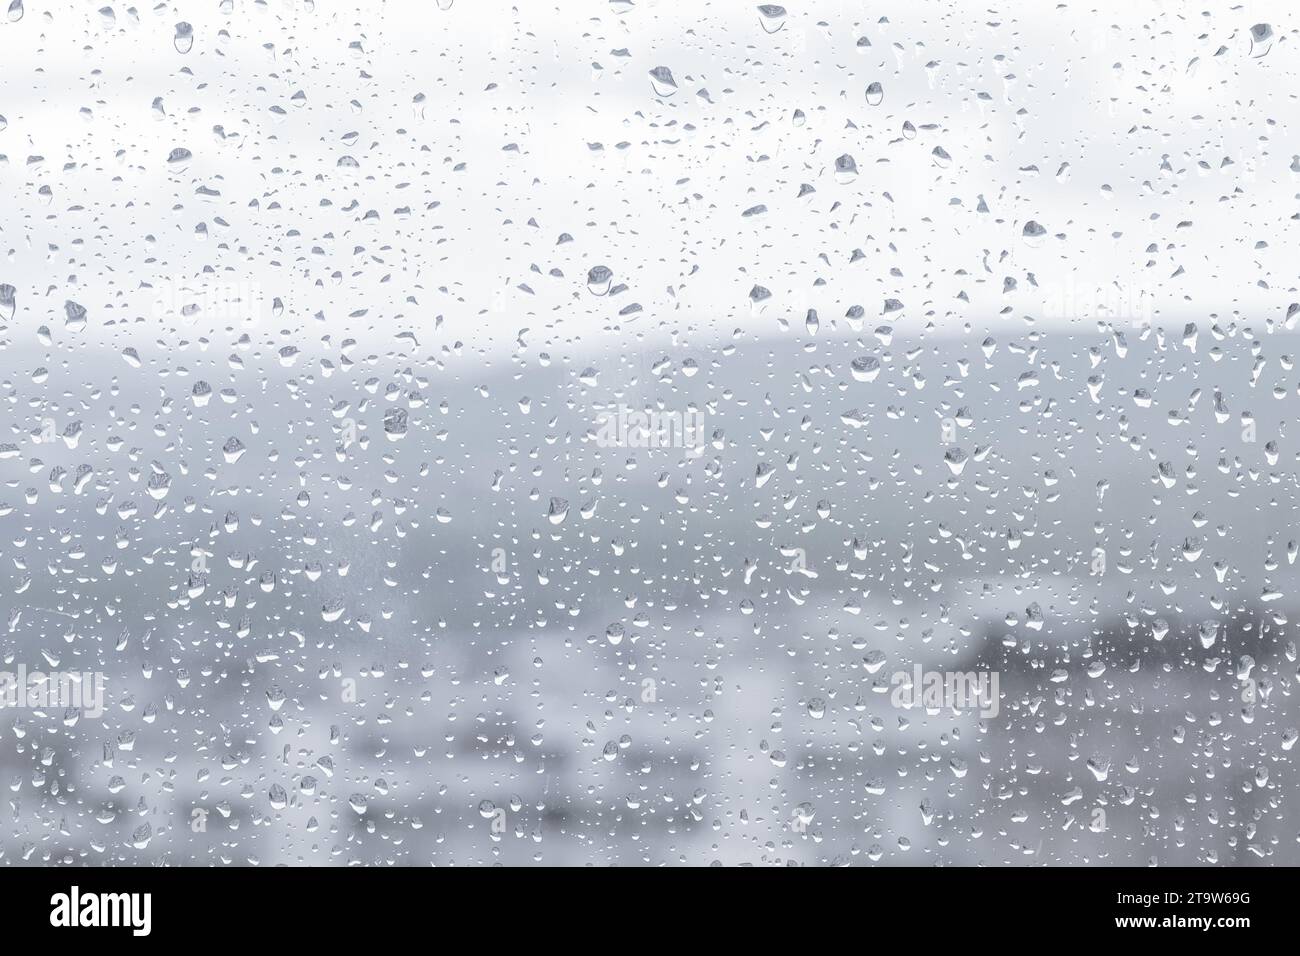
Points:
x=649, y=434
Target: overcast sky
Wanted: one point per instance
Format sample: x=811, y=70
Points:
x=1090, y=120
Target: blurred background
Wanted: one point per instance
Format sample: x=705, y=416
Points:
x=315, y=320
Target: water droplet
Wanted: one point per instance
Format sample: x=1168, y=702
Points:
x=846, y=169
x=662, y=82
x=184, y=39
x=771, y=17
x=599, y=279
x=1261, y=39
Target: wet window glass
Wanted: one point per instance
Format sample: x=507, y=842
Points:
x=648, y=433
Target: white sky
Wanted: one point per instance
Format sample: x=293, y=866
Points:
x=1110, y=89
